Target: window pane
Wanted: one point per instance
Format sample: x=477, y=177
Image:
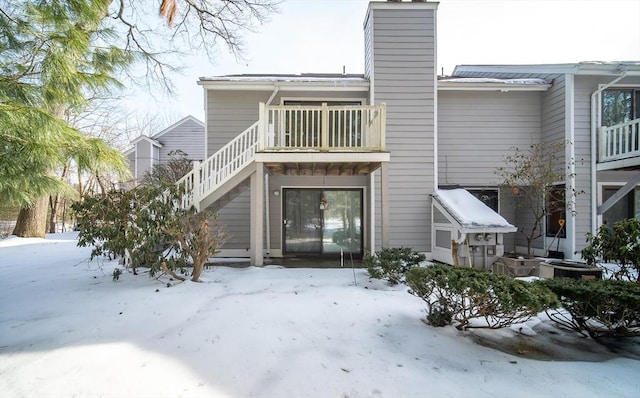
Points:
x=488, y=196
x=556, y=212
x=617, y=107
x=622, y=210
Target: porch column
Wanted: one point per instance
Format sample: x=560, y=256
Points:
x=384, y=204
x=257, y=215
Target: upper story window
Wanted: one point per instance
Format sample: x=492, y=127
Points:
x=620, y=106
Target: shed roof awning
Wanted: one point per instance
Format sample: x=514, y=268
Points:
x=469, y=213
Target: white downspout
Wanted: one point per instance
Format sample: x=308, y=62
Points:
x=570, y=155
x=372, y=212
x=266, y=214
x=267, y=190
x=595, y=118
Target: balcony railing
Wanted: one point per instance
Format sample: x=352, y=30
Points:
x=621, y=141
x=323, y=128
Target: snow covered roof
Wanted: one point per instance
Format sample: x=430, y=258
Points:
x=289, y=81
x=579, y=68
x=469, y=212
x=493, y=80
x=492, y=84
x=303, y=77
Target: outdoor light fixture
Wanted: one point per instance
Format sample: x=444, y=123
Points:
x=276, y=193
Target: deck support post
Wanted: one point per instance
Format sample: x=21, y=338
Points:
x=197, y=180
x=257, y=215
x=384, y=204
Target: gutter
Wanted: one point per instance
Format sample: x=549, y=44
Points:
x=594, y=145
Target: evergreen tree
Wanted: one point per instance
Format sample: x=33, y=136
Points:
x=53, y=52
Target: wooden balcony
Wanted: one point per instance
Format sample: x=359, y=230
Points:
x=619, y=146
x=322, y=140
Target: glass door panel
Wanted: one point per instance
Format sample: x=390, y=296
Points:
x=342, y=222
x=303, y=221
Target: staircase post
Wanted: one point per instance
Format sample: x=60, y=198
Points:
x=257, y=216
x=262, y=123
x=195, y=189
x=382, y=129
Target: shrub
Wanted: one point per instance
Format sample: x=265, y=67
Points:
x=620, y=245
x=597, y=307
x=391, y=264
x=146, y=225
x=465, y=294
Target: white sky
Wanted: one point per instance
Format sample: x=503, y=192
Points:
x=322, y=36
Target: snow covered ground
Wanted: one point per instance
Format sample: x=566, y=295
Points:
x=68, y=330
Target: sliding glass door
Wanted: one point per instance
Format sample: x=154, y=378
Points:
x=322, y=221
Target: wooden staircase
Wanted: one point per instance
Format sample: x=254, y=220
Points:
x=223, y=176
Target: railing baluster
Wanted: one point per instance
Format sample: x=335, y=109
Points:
x=323, y=127
x=619, y=141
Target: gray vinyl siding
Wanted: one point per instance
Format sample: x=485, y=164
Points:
x=368, y=48
x=187, y=137
x=229, y=114
x=131, y=159
x=554, y=112
x=583, y=87
x=402, y=59
x=477, y=129
x=144, y=157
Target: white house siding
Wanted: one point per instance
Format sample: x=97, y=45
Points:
x=403, y=68
x=187, y=136
x=476, y=129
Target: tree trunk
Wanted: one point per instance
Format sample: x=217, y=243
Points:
x=32, y=221
x=54, y=202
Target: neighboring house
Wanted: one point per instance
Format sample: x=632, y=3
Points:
x=321, y=164
x=186, y=135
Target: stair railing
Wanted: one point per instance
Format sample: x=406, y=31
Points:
x=208, y=175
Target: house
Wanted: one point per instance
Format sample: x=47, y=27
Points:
x=186, y=135
x=331, y=164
